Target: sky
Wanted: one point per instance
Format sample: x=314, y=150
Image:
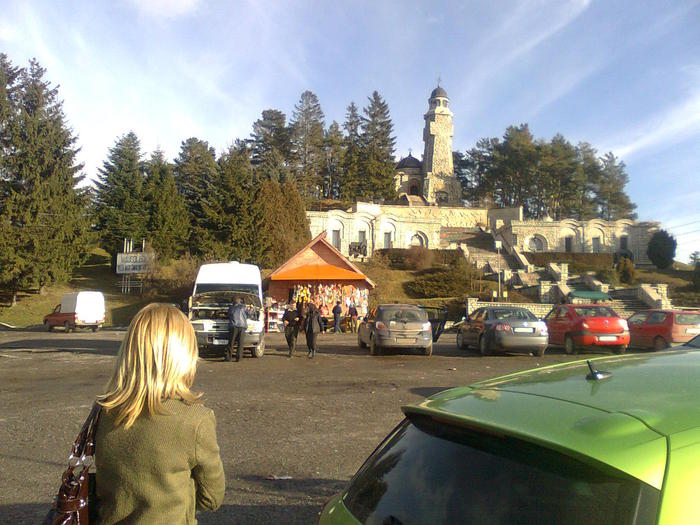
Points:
x=623, y=76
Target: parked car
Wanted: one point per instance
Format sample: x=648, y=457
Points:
x=579, y=326
x=503, y=328
x=84, y=309
x=395, y=326
x=659, y=329
x=617, y=443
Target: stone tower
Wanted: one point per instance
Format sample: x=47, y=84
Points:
x=440, y=184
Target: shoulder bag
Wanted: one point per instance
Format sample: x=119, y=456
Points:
x=75, y=503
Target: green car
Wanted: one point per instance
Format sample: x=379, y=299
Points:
x=612, y=441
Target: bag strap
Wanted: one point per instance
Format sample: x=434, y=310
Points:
x=84, y=444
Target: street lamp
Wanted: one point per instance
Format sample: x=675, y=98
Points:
x=498, y=253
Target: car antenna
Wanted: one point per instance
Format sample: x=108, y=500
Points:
x=596, y=375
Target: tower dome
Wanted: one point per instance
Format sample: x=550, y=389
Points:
x=438, y=92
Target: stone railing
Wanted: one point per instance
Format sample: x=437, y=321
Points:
x=654, y=295
x=595, y=284
x=560, y=272
x=538, y=309
x=522, y=260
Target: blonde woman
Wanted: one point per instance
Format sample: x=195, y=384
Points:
x=156, y=452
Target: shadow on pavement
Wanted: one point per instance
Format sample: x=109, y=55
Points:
x=427, y=391
x=87, y=346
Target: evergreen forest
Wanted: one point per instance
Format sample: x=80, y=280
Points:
x=249, y=201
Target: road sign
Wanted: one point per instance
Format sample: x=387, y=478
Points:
x=134, y=262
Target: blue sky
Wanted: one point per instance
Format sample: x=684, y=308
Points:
x=622, y=75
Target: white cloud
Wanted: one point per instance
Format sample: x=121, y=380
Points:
x=7, y=33
x=672, y=125
x=164, y=8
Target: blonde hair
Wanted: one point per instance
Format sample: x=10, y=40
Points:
x=157, y=360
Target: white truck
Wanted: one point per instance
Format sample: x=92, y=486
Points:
x=216, y=287
x=85, y=309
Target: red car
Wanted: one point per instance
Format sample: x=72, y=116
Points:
x=576, y=326
x=659, y=329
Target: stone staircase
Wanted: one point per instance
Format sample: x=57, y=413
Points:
x=625, y=302
x=480, y=247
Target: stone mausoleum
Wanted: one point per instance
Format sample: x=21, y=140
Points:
x=432, y=214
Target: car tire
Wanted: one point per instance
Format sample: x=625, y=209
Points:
x=620, y=349
x=460, y=341
x=660, y=344
x=569, y=345
x=67, y=327
x=49, y=327
x=539, y=352
x=259, y=350
x=373, y=350
x=95, y=328
x=484, y=345
x=360, y=342
x=428, y=350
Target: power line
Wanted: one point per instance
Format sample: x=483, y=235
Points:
x=687, y=233
x=686, y=224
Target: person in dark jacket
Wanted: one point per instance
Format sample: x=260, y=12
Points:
x=312, y=328
x=290, y=320
x=337, y=310
x=352, y=312
x=238, y=322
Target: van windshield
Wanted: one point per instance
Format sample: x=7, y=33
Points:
x=225, y=287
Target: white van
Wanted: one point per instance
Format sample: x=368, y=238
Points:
x=78, y=310
x=215, y=288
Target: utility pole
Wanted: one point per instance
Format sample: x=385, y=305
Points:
x=498, y=253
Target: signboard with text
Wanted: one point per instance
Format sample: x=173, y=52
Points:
x=134, y=262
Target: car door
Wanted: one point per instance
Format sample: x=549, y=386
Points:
x=557, y=324
x=470, y=332
x=636, y=324
x=654, y=327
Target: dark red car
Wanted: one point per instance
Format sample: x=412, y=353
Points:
x=577, y=326
x=659, y=329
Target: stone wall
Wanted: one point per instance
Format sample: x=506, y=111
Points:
x=538, y=309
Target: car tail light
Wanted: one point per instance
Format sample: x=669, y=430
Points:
x=502, y=327
x=381, y=327
x=541, y=328
x=624, y=325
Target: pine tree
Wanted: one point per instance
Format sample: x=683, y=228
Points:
x=349, y=182
x=307, y=145
x=270, y=146
x=168, y=222
x=376, y=164
x=271, y=236
x=296, y=223
x=661, y=249
x=334, y=159
x=196, y=176
x=120, y=204
x=43, y=215
x=613, y=202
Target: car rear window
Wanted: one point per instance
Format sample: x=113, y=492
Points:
x=594, y=311
x=687, y=318
x=512, y=314
x=435, y=473
x=403, y=314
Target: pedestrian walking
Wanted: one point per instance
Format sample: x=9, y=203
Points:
x=238, y=322
x=312, y=329
x=290, y=320
x=352, y=312
x=337, y=310
x=156, y=452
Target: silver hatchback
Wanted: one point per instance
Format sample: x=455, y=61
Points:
x=396, y=326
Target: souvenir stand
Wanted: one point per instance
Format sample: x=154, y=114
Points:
x=319, y=273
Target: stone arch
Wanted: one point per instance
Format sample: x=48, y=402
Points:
x=537, y=243
x=419, y=239
x=415, y=187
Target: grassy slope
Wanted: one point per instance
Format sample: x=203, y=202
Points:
x=96, y=274
x=679, y=280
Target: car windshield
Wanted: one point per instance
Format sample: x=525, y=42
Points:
x=435, y=473
x=514, y=315
x=688, y=319
x=594, y=311
x=403, y=315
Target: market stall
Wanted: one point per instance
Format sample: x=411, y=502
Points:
x=319, y=273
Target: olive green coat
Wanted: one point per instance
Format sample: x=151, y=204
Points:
x=160, y=469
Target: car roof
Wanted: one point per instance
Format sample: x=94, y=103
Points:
x=397, y=305
x=623, y=421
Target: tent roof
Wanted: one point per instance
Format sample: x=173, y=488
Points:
x=318, y=261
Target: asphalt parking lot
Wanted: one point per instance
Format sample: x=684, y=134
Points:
x=291, y=431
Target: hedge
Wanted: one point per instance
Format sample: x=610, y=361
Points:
x=404, y=258
x=578, y=262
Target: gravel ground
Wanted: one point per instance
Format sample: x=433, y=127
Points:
x=291, y=431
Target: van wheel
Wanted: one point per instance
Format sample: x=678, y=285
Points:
x=259, y=350
x=95, y=328
x=569, y=346
x=48, y=326
x=660, y=344
x=67, y=327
